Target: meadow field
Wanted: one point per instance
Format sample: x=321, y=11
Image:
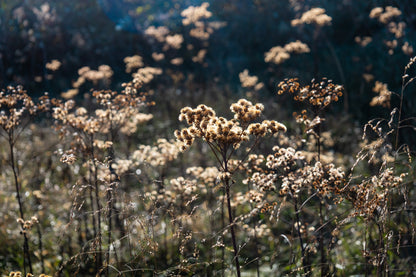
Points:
x=218, y=138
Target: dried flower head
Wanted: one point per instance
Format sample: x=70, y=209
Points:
x=220, y=131
x=103, y=74
x=15, y=104
x=145, y=75
x=174, y=41
x=318, y=94
x=194, y=14
x=133, y=62
x=158, y=33
x=384, y=95
x=248, y=81
x=363, y=41
x=280, y=54
x=314, y=16
x=385, y=15
x=407, y=49
x=159, y=155
x=53, y=65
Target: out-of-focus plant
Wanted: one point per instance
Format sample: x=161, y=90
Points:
x=94, y=131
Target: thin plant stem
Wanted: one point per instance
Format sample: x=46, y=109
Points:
x=97, y=202
x=305, y=259
x=26, y=252
x=230, y=217
x=230, y=214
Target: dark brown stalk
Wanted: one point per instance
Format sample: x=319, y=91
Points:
x=230, y=214
x=305, y=259
x=222, y=228
x=109, y=203
x=97, y=203
x=324, y=269
x=42, y=261
x=26, y=252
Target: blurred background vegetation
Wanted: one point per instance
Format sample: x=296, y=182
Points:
x=91, y=33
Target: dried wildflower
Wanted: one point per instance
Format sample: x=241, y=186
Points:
x=368, y=77
x=363, y=41
x=199, y=58
x=133, y=62
x=103, y=74
x=53, y=65
x=370, y=197
x=194, y=14
x=319, y=93
x=200, y=33
x=176, y=61
x=397, y=29
x=223, y=137
x=314, y=16
x=131, y=120
x=197, y=16
x=15, y=103
x=158, y=56
x=69, y=93
x=391, y=44
x=27, y=224
x=220, y=131
x=261, y=230
x=145, y=75
x=246, y=80
x=158, y=33
x=276, y=55
x=296, y=47
x=45, y=14
x=280, y=54
x=384, y=95
x=68, y=157
x=407, y=49
x=385, y=15
x=207, y=175
x=245, y=111
x=163, y=152
x=174, y=41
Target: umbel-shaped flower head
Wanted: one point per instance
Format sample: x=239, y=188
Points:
x=221, y=132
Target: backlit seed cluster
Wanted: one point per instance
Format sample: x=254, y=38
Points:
x=163, y=152
x=289, y=168
x=103, y=75
x=325, y=179
x=279, y=54
x=314, y=16
x=27, y=224
x=15, y=103
x=318, y=93
x=222, y=132
x=281, y=162
x=371, y=195
x=284, y=158
x=207, y=175
x=383, y=97
x=248, y=81
x=385, y=15
x=197, y=17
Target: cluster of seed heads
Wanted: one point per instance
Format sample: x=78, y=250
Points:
x=205, y=124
